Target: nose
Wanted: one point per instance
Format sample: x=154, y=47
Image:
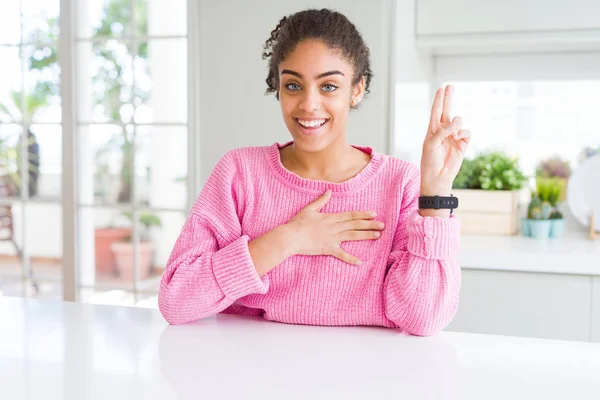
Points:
x=311, y=101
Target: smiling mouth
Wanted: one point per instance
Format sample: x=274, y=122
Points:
x=312, y=123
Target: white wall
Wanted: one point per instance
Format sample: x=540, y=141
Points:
x=234, y=110
x=533, y=66
x=441, y=17
x=414, y=88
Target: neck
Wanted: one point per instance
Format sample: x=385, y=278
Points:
x=331, y=161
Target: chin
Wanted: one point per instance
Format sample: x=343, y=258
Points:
x=311, y=144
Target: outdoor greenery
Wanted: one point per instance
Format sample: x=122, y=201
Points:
x=113, y=84
x=23, y=107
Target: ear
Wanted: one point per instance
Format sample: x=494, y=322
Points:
x=358, y=91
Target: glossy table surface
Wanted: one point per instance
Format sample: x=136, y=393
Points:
x=58, y=350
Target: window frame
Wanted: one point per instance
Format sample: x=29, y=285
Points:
x=72, y=206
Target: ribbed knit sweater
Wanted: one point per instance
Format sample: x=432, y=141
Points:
x=410, y=277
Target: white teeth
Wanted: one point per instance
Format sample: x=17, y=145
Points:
x=312, y=123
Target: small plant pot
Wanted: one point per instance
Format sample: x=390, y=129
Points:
x=525, y=229
x=557, y=228
x=540, y=229
x=124, y=259
x=104, y=256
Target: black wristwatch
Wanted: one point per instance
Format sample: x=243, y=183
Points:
x=437, y=202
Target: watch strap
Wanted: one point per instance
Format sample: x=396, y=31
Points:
x=437, y=202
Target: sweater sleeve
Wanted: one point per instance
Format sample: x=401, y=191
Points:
x=421, y=289
x=210, y=266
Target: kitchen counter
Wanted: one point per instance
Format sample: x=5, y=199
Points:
x=573, y=254
x=58, y=350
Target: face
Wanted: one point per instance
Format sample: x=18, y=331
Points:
x=315, y=93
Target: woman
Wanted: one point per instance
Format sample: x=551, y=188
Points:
x=317, y=231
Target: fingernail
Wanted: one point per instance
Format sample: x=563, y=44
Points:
x=377, y=234
x=373, y=214
x=380, y=225
x=359, y=262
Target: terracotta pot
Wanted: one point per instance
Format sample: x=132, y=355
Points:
x=104, y=238
x=123, y=252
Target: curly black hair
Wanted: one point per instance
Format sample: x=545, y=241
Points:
x=332, y=27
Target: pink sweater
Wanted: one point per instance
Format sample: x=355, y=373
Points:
x=410, y=277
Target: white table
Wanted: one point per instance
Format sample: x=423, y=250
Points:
x=54, y=350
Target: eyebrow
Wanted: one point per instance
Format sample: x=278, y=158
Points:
x=323, y=75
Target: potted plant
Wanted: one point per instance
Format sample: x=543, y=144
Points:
x=489, y=187
x=557, y=169
x=104, y=238
x=123, y=249
x=543, y=217
x=538, y=223
x=557, y=224
x=550, y=192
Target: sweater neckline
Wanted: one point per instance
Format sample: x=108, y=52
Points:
x=350, y=185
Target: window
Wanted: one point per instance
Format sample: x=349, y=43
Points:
x=531, y=105
x=131, y=75
x=132, y=138
x=30, y=149
x=531, y=118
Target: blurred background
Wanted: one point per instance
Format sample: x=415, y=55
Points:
x=128, y=128
x=114, y=112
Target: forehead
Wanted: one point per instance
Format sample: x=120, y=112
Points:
x=313, y=57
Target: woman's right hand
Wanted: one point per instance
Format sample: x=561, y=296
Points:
x=315, y=233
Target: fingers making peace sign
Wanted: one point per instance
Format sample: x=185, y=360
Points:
x=444, y=147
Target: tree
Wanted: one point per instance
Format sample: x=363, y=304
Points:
x=110, y=89
x=24, y=106
x=111, y=79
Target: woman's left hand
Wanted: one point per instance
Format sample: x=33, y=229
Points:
x=444, y=147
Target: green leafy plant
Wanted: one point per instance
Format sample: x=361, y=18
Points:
x=549, y=192
x=555, y=214
x=490, y=171
x=544, y=190
x=466, y=179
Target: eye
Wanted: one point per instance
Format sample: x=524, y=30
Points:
x=292, y=86
x=329, y=87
